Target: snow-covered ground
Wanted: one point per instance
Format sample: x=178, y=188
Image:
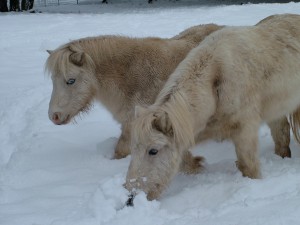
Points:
x=64, y=175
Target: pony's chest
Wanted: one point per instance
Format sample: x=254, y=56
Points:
x=219, y=128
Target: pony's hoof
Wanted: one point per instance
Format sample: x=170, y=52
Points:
x=284, y=152
x=120, y=155
x=195, y=166
x=253, y=173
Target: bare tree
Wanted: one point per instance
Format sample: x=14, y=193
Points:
x=14, y=5
x=27, y=4
x=106, y=1
x=3, y=6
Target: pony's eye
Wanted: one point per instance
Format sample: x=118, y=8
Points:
x=153, y=151
x=70, y=81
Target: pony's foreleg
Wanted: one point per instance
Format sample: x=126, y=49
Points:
x=122, y=148
x=191, y=164
x=280, y=131
x=245, y=140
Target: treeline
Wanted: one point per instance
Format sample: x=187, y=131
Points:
x=149, y=1
x=14, y=5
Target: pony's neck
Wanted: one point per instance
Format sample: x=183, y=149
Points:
x=113, y=57
x=189, y=99
x=107, y=51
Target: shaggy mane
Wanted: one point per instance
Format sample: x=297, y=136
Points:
x=59, y=60
x=179, y=116
x=181, y=119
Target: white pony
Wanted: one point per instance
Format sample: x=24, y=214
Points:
x=237, y=78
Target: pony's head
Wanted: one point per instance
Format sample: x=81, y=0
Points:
x=159, y=139
x=74, y=83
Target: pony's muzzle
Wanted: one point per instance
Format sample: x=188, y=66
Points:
x=58, y=119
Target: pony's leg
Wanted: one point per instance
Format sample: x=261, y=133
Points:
x=122, y=148
x=246, y=147
x=191, y=164
x=280, y=131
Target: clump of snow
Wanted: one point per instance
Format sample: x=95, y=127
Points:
x=61, y=175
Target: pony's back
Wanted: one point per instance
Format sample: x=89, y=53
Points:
x=196, y=34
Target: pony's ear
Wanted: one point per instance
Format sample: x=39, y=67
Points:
x=77, y=58
x=163, y=123
x=49, y=51
x=138, y=110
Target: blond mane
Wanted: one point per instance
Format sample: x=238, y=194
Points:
x=179, y=116
x=59, y=60
x=181, y=119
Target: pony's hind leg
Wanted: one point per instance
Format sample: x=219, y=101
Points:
x=280, y=131
x=245, y=140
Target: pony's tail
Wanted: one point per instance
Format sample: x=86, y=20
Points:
x=295, y=123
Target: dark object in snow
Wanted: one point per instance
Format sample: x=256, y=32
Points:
x=129, y=202
x=33, y=11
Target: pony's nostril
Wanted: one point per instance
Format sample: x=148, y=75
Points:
x=56, y=117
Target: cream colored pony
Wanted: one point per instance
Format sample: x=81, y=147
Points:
x=237, y=78
x=119, y=72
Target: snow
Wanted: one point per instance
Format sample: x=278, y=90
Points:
x=63, y=175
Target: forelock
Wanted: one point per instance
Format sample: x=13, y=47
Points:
x=142, y=127
x=58, y=62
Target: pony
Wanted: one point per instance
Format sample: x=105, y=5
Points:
x=234, y=80
x=119, y=72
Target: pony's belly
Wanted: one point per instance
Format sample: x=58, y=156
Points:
x=281, y=105
x=281, y=95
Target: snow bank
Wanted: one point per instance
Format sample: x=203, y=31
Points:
x=63, y=175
